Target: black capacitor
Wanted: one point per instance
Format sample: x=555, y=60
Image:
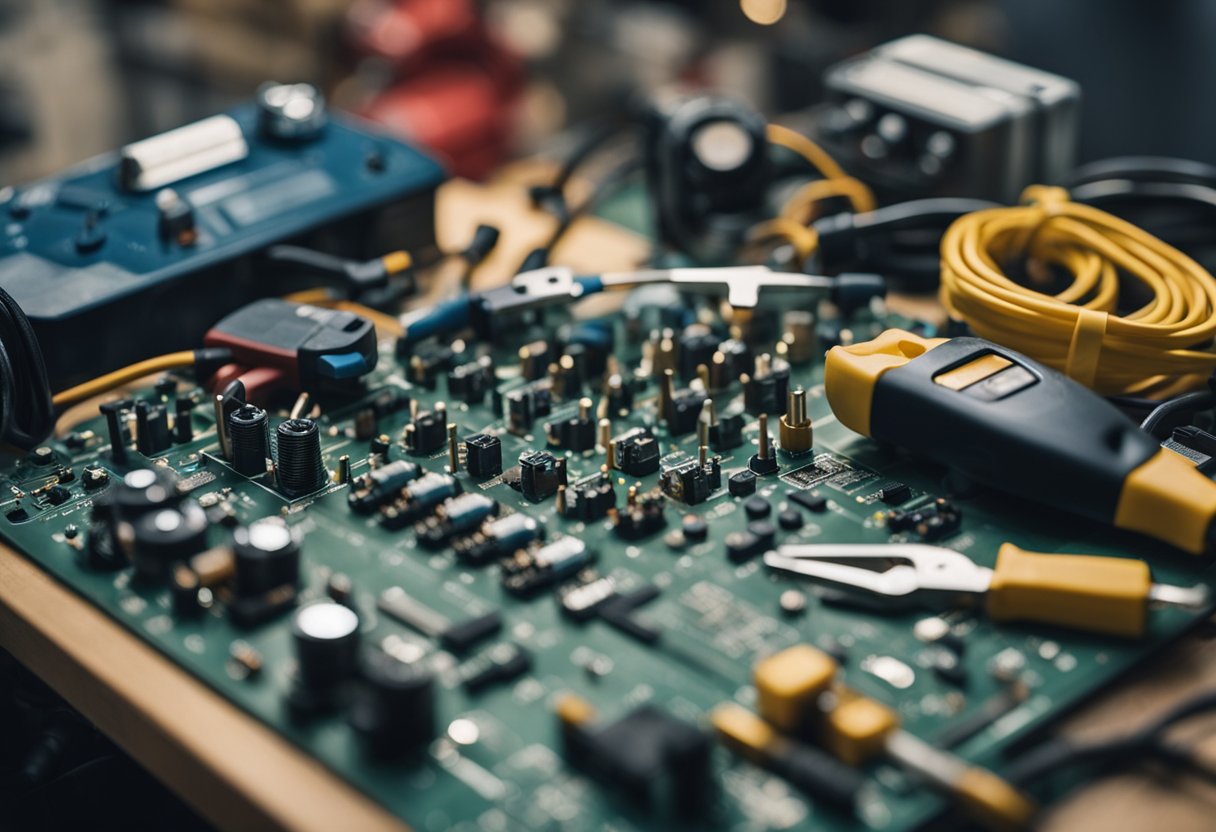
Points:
x=695, y=347
x=249, y=436
x=151, y=428
x=183, y=420
x=266, y=557
x=767, y=393
x=301, y=470
x=393, y=706
x=727, y=433
x=159, y=540
x=326, y=637
x=428, y=432
x=380, y=485
x=757, y=508
x=141, y=491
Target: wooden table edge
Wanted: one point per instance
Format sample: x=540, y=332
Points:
x=233, y=770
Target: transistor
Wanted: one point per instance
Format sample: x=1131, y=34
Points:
x=636, y=452
x=427, y=432
x=455, y=516
x=540, y=474
x=459, y=637
x=692, y=481
x=380, y=485
x=427, y=361
x=642, y=515
x=894, y=493
x=498, y=665
x=498, y=538
x=590, y=499
x=767, y=388
x=470, y=382
x=580, y=598
x=417, y=499
x=483, y=455
x=527, y=404
x=576, y=433
x=537, y=567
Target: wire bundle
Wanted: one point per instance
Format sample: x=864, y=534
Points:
x=26, y=418
x=1158, y=348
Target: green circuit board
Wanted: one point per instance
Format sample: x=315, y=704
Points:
x=496, y=760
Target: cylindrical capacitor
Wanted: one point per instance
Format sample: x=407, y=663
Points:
x=326, y=637
x=139, y=492
x=249, y=435
x=159, y=540
x=266, y=555
x=301, y=470
x=393, y=706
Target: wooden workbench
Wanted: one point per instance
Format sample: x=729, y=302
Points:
x=241, y=775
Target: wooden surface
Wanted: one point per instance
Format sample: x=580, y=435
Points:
x=241, y=775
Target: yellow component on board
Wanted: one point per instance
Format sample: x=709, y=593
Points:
x=743, y=732
x=788, y=685
x=856, y=730
x=993, y=801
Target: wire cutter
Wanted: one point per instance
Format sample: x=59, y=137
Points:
x=1084, y=592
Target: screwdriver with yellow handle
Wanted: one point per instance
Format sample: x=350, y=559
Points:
x=1096, y=594
x=1009, y=422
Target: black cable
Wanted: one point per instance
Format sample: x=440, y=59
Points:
x=1146, y=742
x=26, y=415
x=1179, y=405
x=604, y=188
x=1144, y=169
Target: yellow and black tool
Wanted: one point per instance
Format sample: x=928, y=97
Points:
x=1008, y=422
x=1085, y=592
x=798, y=695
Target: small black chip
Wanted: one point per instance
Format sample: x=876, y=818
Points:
x=894, y=493
x=809, y=500
x=741, y=484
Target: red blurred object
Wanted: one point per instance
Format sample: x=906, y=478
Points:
x=456, y=87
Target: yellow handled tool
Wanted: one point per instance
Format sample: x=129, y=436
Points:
x=1085, y=592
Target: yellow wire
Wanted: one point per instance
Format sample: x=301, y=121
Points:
x=322, y=297
x=818, y=158
x=804, y=240
x=799, y=207
x=1156, y=347
x=118, y=378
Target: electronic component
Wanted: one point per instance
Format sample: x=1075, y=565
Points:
x=691, y=481
x=932, y=522
x=540, y=474
x=483, y=455
x=498, y=538
x=642, y=515
x=266, y=557
x=417, y=499
x=1194, y=444
x=469, y=383
x=325, y=636
x=457, y=636
x=767, y=388
x=160, y=539
x=590, y=499
x=894, y=493
x=764, y=461
x=636, y=452
x=651, y=758
x=527, y=404
x=581, y=597
x=929, y=117
x=576, y=433
x=427, y=432
x=1004, y=420
x=298, y=462
x=249, y=438
x=499, y=665
x=741, y=484
x=392, y=705
x=795, y=425
x=538, y=567
x=244, y=190
x=455, y=516
x=378, y=486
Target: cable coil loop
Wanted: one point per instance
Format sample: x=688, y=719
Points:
x=1098, y=329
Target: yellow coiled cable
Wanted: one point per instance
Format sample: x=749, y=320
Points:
x=1161, y=347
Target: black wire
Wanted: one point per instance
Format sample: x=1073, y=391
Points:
x=26, y=415
x=1144, y=169
x=1146, y=742
x=1186, y=403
